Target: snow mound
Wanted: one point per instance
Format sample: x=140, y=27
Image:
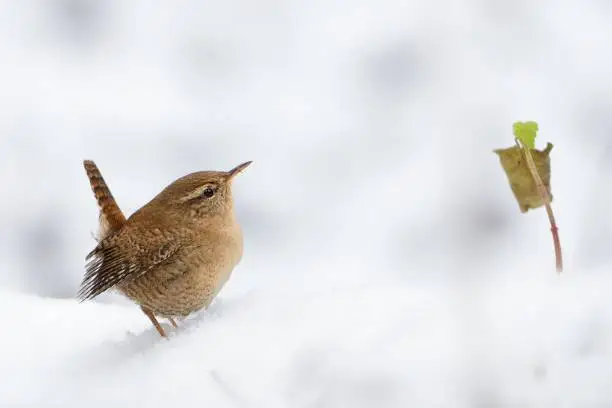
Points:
x=545, y=343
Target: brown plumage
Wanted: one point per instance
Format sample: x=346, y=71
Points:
x=112, y=220
x=111, y=217
x=173, y=255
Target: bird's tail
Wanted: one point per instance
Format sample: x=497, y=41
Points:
x=111, y=216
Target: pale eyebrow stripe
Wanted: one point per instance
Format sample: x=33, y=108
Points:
x=196, y=192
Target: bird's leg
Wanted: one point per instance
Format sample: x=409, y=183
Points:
x=151, y=316
x=172, y=322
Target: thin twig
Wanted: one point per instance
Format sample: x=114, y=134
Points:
x=546, y=198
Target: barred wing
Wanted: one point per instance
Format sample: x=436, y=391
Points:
x=117, y=259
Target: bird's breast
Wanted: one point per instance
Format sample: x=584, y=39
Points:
x=228, y=252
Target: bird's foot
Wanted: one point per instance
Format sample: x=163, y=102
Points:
x=153, y=319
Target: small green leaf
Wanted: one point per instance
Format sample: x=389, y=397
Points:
x=526, y=133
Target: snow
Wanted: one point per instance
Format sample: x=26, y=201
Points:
x=544, y=344
x=386, y=263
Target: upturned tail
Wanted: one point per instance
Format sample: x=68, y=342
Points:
x=111, y=216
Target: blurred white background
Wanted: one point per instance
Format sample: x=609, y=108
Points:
x=371, y=126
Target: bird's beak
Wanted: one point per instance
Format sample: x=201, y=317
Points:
x=238, y=169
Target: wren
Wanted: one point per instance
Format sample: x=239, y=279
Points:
x=173, y=255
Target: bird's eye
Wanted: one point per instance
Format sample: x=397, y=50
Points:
x=208, y=192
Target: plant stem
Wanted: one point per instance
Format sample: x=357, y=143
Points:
x=546, y=198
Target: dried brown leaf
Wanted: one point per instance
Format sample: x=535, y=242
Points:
x=521, y=182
